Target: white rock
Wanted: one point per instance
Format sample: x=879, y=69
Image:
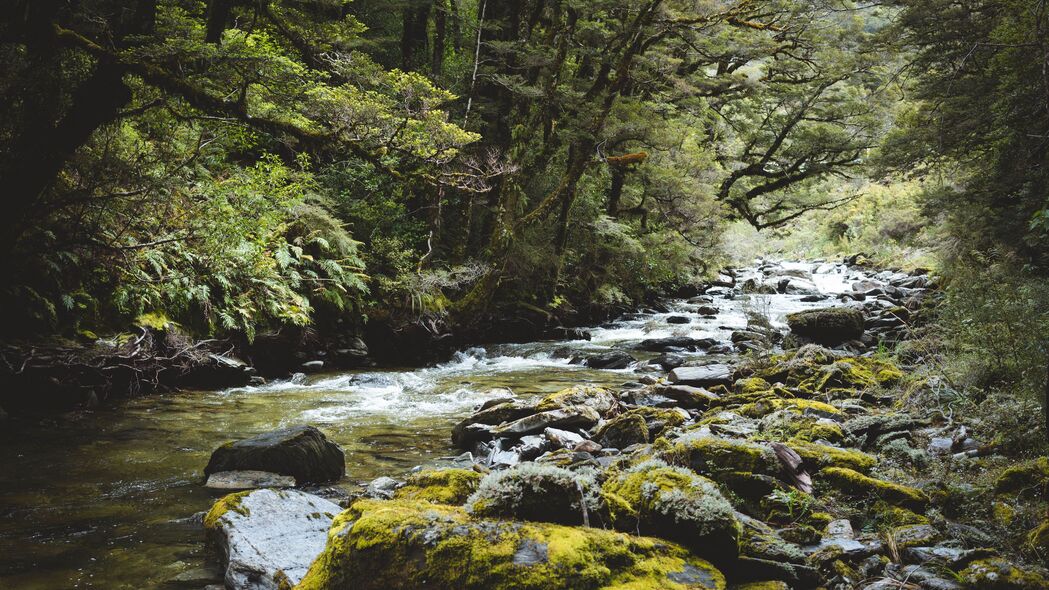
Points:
x=271, y=536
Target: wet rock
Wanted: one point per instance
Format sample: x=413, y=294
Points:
x=478, y=426
x=707, y=310
x=679, y=319
x=675, y=343
x=705, y=376
x=248, y=480
x=268, y=538
x=444, y=547
x=312, y=366
x=668, y=361
x=615, y=359
x=382, y=488
x=570, y=417
x=829, y=325
x=302, y=452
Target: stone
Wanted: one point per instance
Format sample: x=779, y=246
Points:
x=248, y=480
x=678, y=319
x=705, y=376
x=668, y=361
x=615, y=359
x=538, y=492
x=561, y=439
x=384, y=545
x=302, y=452
x=829, y=325
x=687, y=396
x=382, y=488
x=597, y=398
x=268, y=538
x=477, y=427
x=622, y=431
x=674, y=343
x=440, y=486
x=311, y=366
x=576, y=416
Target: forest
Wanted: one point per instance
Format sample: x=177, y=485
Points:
x=490, y=294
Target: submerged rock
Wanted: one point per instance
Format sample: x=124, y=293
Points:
x=399, y=545
x=268, y=538
x=302, y=452
x=248, y=480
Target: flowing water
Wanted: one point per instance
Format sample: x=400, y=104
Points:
x=111, y=498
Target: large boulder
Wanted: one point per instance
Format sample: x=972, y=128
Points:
x=597, y=398
x=613, y=359
x=395, y=545
x=828, y=325
x=267, y=539
x=570, y=417
x=675, y=343
x=302, y=452
x=533, y=491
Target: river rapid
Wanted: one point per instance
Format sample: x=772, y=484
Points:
x=112, y=498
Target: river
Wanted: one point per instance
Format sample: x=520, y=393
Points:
x=111, y=498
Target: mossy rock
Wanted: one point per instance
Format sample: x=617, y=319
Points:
x=801, y=407
x=828, y=325
x=538, y=492
x=659, y=420
x=598, y=398
x=822, y=456
x=998, y=574
x=622, y=431
x=751, y=385
x=440, y=486
x=1038, y=538
x=713, y=455
x=855, y=483
x=887, y=516
x=1032, y=475
x=656, y=499
x=401, y=545
x=765, y=585
x=228, y=503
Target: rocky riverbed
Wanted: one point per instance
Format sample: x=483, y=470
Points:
x=754, y=436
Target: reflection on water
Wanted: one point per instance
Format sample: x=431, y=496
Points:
x=107, y=500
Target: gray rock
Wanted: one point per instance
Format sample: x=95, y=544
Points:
x=688, y=396
x=302, y=452
x=678, y=319
x=574, y=416
x=312, y=366
x=829, y=325
x=248, y=480
x=614, y=359
x=382, y=488
x=268, y=540
x=702, y=376
x=941, y=446
x=562, y=438
x=673, y=343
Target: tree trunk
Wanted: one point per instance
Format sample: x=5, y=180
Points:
x=615, y=192
x=413, y=32
x=440, y=22
x=218, y=16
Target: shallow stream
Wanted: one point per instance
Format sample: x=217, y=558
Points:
x=107, y=500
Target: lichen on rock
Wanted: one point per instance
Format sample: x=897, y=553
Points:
x=441, y=486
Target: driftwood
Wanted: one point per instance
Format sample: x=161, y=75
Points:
x=793, y=466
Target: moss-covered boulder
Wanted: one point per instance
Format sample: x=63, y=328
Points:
x=855, y=483
x=820, y=456
x=538, y=492
x=598, y=398
x=1032, y=475
x=711, y=455
x=828, y=325
x=622, y=431
x=492, y=413
x=441, y=486
x=401, y=545
x=850, y=374
x=673, y=503
x=998, y=574
x=801, y=407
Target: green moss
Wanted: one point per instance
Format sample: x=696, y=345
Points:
x=1032, y=475
x=675, y=504
x=1039, y=536
x=598, y=398
x=155, y=321
x=887, y=516
x=232, y=502
x=998, y=574
x=855, y=483
x=441, y=486
x=799, y=406
x=752, y=385
x=712, y=455
x=821, y=456
x=622, y=431
x=401, y=545
x=768, y=585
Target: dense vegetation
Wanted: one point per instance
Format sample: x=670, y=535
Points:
x=240, y=166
